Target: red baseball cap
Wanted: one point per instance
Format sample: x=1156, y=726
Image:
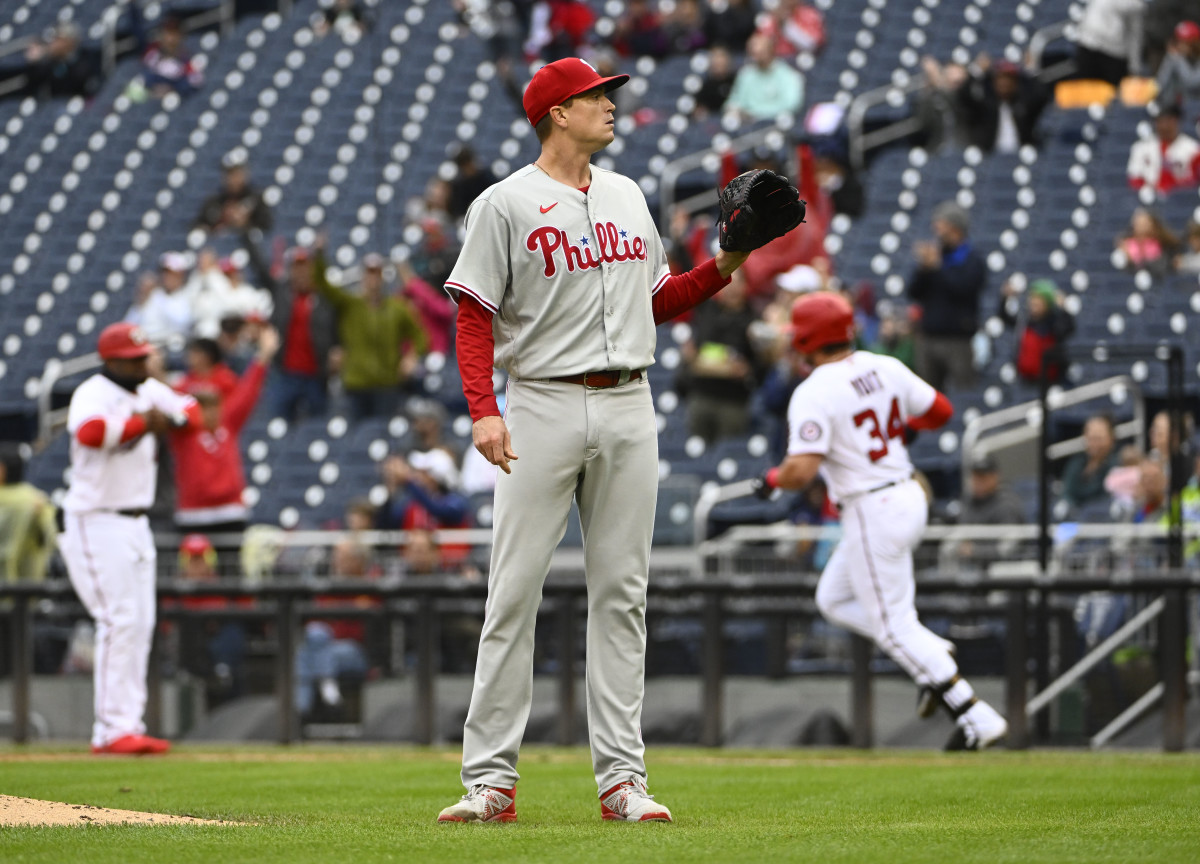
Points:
x=557, y=82
x=1187, y=31
x=195, y=544
x=123, y=341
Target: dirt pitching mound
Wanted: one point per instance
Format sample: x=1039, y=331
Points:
x=29, y=811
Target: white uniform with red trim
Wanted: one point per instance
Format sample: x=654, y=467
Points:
x=109, y=555
x=854, y=412
x=569, y=276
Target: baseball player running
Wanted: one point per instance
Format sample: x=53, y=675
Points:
x=561, y=281
x=848, y=421
x=113, y=419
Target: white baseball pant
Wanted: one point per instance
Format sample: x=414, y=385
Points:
x=111, y=561
x=599, y=446
x=868, y=585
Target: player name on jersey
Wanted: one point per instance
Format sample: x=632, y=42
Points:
x=867, y=384
x=613, y=245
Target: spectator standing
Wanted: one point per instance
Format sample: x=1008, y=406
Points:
x=1179, y=73
x=469, y=181
x=948, y=281
x=1045, y=328
x=717, y=84
x=1001, y=105
x=381, y=337
x=1167, y=161
x=307, y=327
x=684, y=27
x=436, y=310
x=1110, y=40
x=238, y=206
x=210, y=483
x=640, y=32
x=166, y=314
x=210, y=294
x=796, y=28
x=731, y=23
x=1083, y=476
x=61, y=68
x=167, y=64
x=205, y=370
x=721, y=371
x=27, y=529
x=895, y=337
x=558, y=28
x=767, y=86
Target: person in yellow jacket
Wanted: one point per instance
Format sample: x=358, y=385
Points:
x=27, y=529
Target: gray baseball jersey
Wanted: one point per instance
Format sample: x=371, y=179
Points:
x=576, y=259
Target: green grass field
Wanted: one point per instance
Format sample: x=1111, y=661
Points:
x=357, y=804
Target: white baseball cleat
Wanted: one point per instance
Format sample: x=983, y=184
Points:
x=483, y=804
x=629, y=802
x=979, y=727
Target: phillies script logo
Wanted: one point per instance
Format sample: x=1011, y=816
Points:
x=612, y=244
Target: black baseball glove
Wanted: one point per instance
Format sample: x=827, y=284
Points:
x=757, y=207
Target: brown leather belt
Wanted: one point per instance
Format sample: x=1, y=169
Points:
x=600, y=380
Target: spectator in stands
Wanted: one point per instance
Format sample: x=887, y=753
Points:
x=436, y=251
x=428, y=417
x=422, y=492
x=796, y=28
x=937, y=106
x=721, y=370
x=1162, y=440
x=1169, y=160
x=1124, y=478
x=1109, y=45
x=27, y=526
x=949, y=278
x=206, y=369
x=211, y=648
x=469, y=181
x=166, y=313
x=1046, y=326
x=1150, y=506
x=347, y=18
x=436, y=310
x=1179, y=72
x=1148, y=244
x=1189, y=261
x=238, y=206
x=639, y=32
x=142, y=292
x=684, y=27
x=558, y=28
x=767, y=86
x=381, y=338
x=1083, y=476
x=717, y=84
x=988, y=502
x=838, y=180
x=167, y=65
x=895, y=337
x=1001, y=105
x=61, y=68
x=731, y=24
x=209, y=480
x=210, y=293
x=308, y=328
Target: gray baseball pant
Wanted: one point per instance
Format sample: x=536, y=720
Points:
x=600, y=446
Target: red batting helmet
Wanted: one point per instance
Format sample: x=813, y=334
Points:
x=1187, y=31
x=123, y=340
x=820, y=319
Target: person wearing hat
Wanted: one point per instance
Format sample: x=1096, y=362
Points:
x=1179, y=73
x=381, y=338
x=561, y=282
x=167, y=64
x=949, y=278
x=237, y=206
x=1043, y=329
x=1168, y=160
x=1000, y=106
x=989, y=501
x=114, y=420
x=167, y=312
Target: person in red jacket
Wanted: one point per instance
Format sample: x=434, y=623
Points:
x=209, y=480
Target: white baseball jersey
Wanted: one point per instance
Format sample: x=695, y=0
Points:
x=115, y=476
x=853, y=412
x=568, y=275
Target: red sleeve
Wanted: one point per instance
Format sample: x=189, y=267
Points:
x=729, y=168
x=237, y=408
x=939, y=412
x=476, y=348
x=685, y=290
x=91, y=432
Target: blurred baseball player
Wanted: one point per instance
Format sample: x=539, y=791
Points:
x=561, y=281
x=848, y=420
x=113, y=419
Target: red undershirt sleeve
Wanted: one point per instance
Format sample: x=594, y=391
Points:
x=91, y=433
x=685, y=290
x=476, y=350
x=939, y=412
